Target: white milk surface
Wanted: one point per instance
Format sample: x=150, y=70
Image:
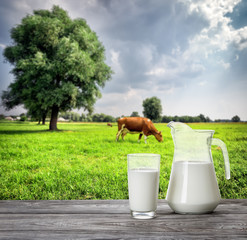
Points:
x=193, y=187
x=143, y=189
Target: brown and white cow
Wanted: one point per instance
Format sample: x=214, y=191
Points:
x=143, y=126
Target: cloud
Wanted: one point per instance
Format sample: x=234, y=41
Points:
x=156, y=72
x=225, y=65
x=2, y=46
x=202, y=83
x=219, y=34
x=240, y=38
x=172, y=60
x=116, y=66
x=188, y=57
x=118, y=104
x=141, y=34
x=156, y=48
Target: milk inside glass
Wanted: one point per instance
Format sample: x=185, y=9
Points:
x=143, y=189
x=143, y=184
x=193, y=187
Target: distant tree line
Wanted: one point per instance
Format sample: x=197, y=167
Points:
x=186, y=119
x=97, y=117
x=101, y=117
x=152, y=109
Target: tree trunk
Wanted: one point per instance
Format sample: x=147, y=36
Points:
x=53, y=121
x=43, y=118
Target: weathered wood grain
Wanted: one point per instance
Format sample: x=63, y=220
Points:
x=101, y=206
x=110, y=219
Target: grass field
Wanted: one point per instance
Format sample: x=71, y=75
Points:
x=83, y=161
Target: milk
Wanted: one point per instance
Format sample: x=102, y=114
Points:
x=193, y=187
x=143, y=189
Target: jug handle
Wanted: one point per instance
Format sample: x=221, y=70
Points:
x=222, y=145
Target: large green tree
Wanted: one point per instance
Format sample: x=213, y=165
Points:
x=152, y=108
x=236, y=119
x=134, y=114
x=59, y=64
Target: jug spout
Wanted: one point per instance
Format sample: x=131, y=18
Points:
x=171, y=125
x=178, y=126
x=190, y=145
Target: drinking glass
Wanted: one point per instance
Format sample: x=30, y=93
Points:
x=143, y=184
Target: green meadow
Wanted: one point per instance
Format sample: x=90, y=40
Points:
x=83, y=160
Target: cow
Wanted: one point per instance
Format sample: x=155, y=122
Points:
x=140, y=125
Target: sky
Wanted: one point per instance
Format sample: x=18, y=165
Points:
x=191, y=54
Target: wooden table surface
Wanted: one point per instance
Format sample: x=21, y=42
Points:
x=110, y=219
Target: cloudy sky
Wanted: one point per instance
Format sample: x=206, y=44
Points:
x=191, y=54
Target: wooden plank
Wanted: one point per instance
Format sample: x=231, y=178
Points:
x=64, y=206
x=163, y=223
x=120, y=225
x=29, y=235
x=102, y=206
x=110, y=219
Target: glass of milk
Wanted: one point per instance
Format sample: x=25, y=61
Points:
x=143, y=184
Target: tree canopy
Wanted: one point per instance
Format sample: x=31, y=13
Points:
x=236, y=119
x=59, y=64
x=152, y=108
x=134, y=114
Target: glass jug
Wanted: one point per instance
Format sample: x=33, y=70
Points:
x=193, y=186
